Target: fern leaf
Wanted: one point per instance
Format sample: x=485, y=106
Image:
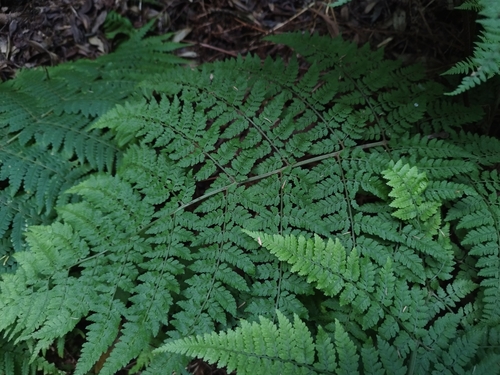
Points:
x=253, y=346
x=407, y=186
x=173, y=363
x=347, y=353
x=325, y=350
x=485, y=61
x=45, y=114
x=371, y=363
x=129, y=345
x=466, y=346
x=102, y=333
x=338, y=3
x=15, y=360
x=314, y=258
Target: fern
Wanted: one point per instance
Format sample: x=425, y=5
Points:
x=336, y=173
x=480, y=236
x=485, y=62
x=46, y=144
x=249, y=348
x=427, y=350
x=408, y=185
x=338, y=3
x=470, y=5
x=13, y=360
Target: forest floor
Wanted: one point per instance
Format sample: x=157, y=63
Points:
x=48, y=32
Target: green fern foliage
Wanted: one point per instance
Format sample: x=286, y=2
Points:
x=476, y=219
x=326, y=265
x=248, y=347
x=485, y=62
x=46, y=144
x=13, y=360
x=366, y=254
x=316, y=259
x=407, y=187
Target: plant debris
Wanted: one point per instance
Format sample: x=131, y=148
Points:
x=48, y=32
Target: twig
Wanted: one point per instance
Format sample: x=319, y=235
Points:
x=280, y=25
x=332, y=26
x=234, y=54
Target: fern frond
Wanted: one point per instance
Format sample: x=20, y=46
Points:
x=485, y=62
x=117, y=24
x=470, y=5
x=408, y=185
x=310, y=258
x=338, y=3
x=173, y=363
x=254, y=346
x=477, y=219
x=15, y=360
x=462, y=67
x=46, y=145
x=482, y=149
x=42, y=177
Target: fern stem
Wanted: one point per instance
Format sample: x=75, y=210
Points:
x=276, y=171
x=248, y=180
x=413, y=362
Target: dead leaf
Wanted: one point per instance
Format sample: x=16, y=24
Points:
x=399, y=20
x=181, y=34
x=95, y=41
x=99, y=21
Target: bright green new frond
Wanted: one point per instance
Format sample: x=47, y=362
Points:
x=252, y=347
x=321, y=262
x=407, y=187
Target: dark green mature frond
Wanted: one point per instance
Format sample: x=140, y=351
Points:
x=477, y=221
x=153, y=270
x=319, y=261
x=15, y=360
x=485, y=62
x=35, y=182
